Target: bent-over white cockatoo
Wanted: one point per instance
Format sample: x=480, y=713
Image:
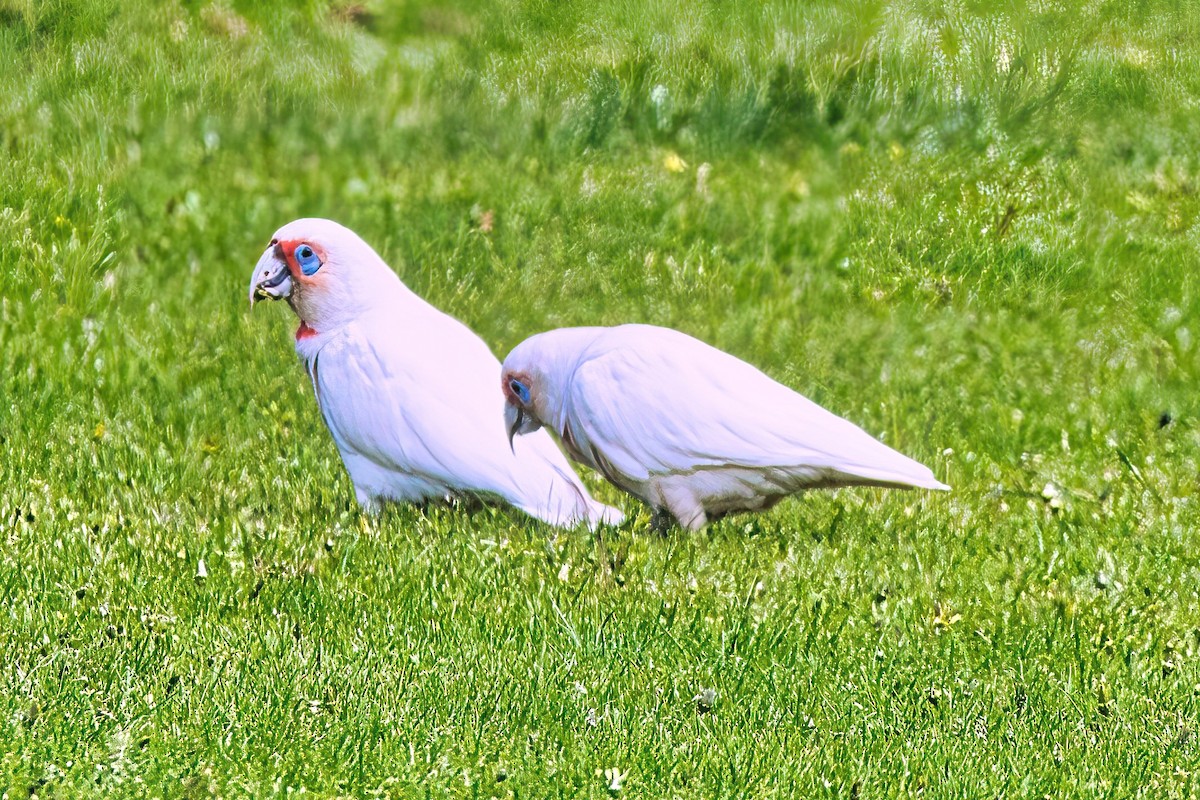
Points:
x=409, y=393
x=686, y=427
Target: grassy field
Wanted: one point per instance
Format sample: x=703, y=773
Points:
x=972, y=231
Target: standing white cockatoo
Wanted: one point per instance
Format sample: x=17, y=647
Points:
x=409, y=393
x=686, y=427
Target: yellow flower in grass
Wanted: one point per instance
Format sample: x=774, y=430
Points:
x=673, y=163
x=944, y=618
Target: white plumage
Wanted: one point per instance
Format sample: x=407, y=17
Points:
x=408, y=392
x=686, y=427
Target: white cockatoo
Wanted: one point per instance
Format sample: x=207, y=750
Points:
x=409, y=393
x=686, y=427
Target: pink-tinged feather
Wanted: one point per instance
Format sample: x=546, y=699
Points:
x=408, y=393
x=688, y=427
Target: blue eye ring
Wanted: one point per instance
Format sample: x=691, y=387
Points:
x=520, y=390
x=307, y=258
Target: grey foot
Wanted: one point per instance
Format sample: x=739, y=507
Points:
x=662, y=522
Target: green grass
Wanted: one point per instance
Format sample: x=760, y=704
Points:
x=973, y=231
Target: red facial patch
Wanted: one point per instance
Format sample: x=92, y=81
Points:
x=509, y=394
x=304, y=331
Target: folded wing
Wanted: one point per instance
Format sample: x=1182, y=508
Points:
x=439, y=416
x=653, y=401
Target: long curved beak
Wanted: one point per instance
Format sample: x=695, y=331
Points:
x=513, y=419
x=271, y=279
x=518, y=423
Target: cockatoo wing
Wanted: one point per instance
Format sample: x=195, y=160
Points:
x=439, y=416
x=649, y=401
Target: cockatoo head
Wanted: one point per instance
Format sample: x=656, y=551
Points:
x=324, y=270
x=523, y=397
x=534, y=376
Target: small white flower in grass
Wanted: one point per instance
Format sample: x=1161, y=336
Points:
x=705, y=700
x=580, y=689
x=660, y=98
x=591, y=720
x=1137, y=56
x=201, y=570
x=702, y=173
x=1052, y=495
x=616, y=778
x=588, y=185
x=981, y=729
x=936, y=695
x=564, y=572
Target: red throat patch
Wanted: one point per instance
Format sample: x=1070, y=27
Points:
x=304, y=331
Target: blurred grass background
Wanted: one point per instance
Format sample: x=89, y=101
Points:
x=970, y=229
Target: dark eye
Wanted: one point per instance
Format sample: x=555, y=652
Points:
x=306, y=257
